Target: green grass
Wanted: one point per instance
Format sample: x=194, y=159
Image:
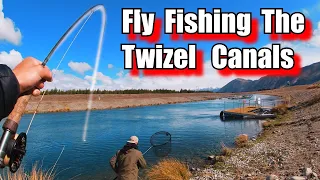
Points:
x=279, y=120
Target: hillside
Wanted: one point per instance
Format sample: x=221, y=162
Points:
x=310, y=74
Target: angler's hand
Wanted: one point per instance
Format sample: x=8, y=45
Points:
x=31, y=76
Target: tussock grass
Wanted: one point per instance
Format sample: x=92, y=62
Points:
x=280, y=109
x=225, y=151
x=266, y=124
x=277, y=122
x=35, y=174
x=242, y=140
x=169, y=168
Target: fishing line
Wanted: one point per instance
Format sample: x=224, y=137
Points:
x=56, y=161
x=56, y=69
x=103, y=23
x=12, y=150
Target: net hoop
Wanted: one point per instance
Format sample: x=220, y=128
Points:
x=155, y=135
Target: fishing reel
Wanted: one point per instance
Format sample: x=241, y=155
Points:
x=12, y=146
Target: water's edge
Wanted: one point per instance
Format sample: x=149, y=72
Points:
x=192, y=124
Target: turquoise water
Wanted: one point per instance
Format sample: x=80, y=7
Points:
x=195, y=127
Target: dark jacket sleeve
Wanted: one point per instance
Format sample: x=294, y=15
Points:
x=113, y=162
x=9, y=91
x=141, y=161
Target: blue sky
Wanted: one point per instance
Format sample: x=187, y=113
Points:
x=41, y=24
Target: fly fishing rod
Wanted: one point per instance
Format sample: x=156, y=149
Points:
x=12, y=145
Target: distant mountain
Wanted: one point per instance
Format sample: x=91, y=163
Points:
x=211, y=89
x=310, y=74
x=236, y=85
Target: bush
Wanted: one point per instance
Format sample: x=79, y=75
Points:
x=266, y=124
x=220, y=158
x=225, y=151
x=169, y=169
x=280, y=109
x=242, y=140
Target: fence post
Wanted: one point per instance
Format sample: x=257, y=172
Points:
x=243, y=105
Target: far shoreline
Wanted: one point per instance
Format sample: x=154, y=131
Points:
x=110, y=108
x=78, y=102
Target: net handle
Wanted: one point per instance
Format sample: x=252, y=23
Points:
x=147, y=150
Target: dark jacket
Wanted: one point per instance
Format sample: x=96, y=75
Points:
x=9, y=91
x=126, y=163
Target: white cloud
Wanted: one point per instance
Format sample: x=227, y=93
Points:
x=11, y=59
x=209, y=79
x=261, y=28
x=79, y=67
x=106, y=80
x=65, y=81
x=305, y=12
x=8, y=31
x=312, y=10
x=110, y=66
x=309, y=50
x=315, y=40
x=120, y=73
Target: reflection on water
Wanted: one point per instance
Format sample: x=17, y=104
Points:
x=196, y=131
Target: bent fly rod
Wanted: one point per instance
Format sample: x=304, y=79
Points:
x=12, y=145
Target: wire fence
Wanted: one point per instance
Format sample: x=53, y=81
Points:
x=243, y=103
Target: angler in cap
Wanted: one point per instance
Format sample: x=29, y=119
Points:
x=127, y=161
x=26, y=78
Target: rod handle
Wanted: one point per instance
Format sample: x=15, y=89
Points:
x=18, y=111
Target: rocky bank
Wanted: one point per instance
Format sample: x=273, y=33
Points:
x=288, y=147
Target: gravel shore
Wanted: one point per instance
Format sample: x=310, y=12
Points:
x=290, y=149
